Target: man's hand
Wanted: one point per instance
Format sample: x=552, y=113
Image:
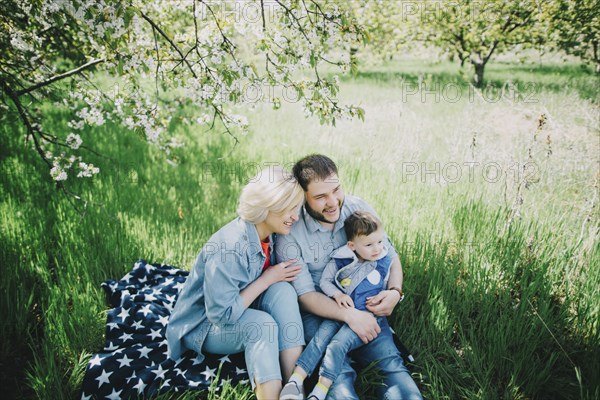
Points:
x=382, y=305
x=343, y=300
x=363, y=324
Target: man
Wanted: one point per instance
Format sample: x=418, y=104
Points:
x=318, y=232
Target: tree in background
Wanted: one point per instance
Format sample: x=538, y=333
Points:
x=165, y=57
x=386, y=31
x=575, y=28
x=471, y=31
x=476, y=31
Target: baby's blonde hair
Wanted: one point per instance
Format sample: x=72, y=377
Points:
x=272, y=189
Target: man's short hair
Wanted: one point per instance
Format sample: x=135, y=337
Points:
x=361, y=223
x=313, y=167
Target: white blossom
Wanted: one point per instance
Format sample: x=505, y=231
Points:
x=87, y=170
x=157, y=82
x=203, y=119
x=74, y=141
x=58, y=173
x=216, y=58
x=18, y=41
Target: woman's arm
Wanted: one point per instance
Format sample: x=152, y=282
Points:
x=224, y=300
x=222, y=280
x=282, y=272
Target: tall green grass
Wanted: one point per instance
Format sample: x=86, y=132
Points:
x=501, y=272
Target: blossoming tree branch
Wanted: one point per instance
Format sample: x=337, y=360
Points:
x=167, y=56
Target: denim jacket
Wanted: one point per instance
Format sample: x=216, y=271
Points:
x=230, y=260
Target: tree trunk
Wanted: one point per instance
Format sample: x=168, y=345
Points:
x=478, y=78
x=596, y=58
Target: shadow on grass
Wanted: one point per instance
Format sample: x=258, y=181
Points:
x=56, y=256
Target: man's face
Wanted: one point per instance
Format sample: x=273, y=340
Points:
x=324, y=199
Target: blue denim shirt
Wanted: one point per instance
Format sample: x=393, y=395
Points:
x=230, y=260
x=312, y=244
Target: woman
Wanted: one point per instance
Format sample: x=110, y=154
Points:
x=234, y=300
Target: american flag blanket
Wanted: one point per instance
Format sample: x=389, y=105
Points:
x=134, y=362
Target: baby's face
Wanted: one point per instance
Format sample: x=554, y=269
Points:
x=368, y=247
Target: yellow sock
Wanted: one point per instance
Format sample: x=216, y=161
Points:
x=296, y=377
x=320, y=391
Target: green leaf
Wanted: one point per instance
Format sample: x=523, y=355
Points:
x=129, y=13
x=313, y=59
x=120, y=65
x=360, y=113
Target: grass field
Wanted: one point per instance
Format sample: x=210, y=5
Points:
x=490, y=197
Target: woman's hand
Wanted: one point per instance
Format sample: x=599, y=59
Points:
x=282, y=272
x=343, y=300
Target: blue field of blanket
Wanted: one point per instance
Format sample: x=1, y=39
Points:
x=134, y=362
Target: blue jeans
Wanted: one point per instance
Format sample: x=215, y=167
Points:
x=271, y=324
x=398, y=384
x=332, y=341
x=318, y=347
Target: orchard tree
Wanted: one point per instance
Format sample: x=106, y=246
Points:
x=167, y=56
x=475, y=31
x=575, y=28
x=385, y=28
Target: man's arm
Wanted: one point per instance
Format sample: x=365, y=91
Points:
x=396, y=275
x=361, y=322
x=383, y=303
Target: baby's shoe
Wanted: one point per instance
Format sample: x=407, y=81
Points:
x=292, y=391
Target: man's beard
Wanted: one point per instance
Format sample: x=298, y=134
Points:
x=320, y=217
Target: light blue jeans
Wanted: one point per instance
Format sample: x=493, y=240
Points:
x=332, y=342
x=271, y=324
x=398, y=384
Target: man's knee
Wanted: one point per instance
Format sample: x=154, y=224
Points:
x=382, y=350
x=399, y=384
x=404, y=389
x=343, y=387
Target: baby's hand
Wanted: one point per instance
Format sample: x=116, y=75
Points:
x=343, y=300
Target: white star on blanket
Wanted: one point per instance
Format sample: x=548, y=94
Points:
x=134, y=360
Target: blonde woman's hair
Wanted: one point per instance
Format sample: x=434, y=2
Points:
x=272, y=189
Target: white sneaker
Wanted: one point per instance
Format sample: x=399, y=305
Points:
x=292, y=391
